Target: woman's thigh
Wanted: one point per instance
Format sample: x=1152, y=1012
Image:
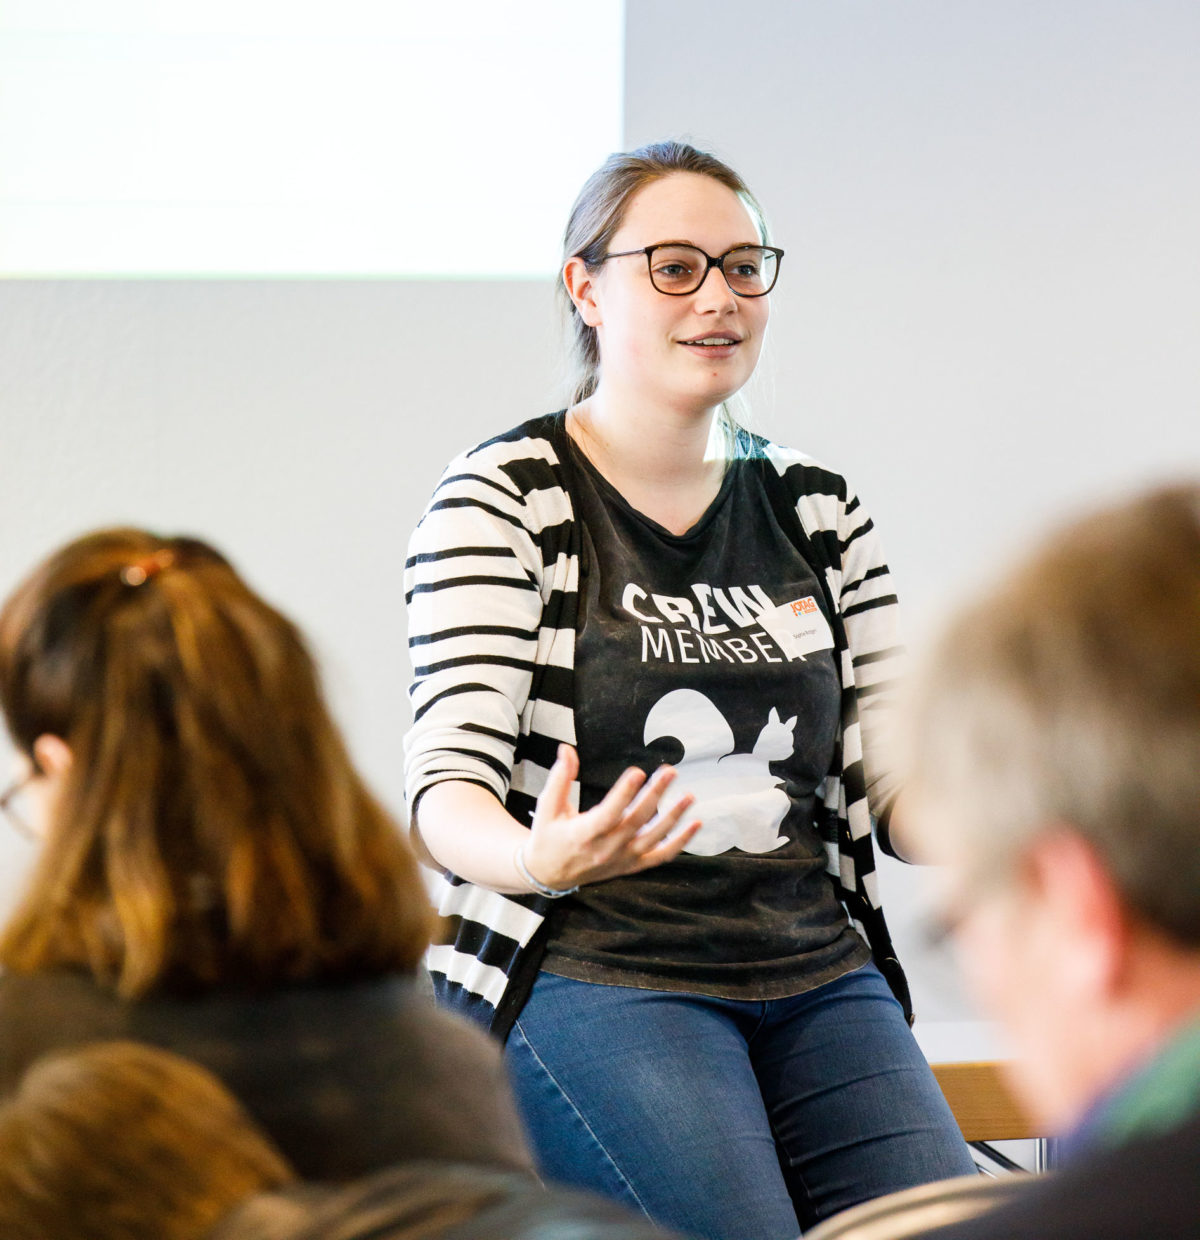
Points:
x=854, y=1107
x=649, y=1098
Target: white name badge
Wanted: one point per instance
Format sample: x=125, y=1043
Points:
x=799, y=628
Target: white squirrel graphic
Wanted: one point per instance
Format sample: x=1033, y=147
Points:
x=738, y=801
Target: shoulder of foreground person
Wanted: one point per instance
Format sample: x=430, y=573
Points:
x=435, y=1201
x=345, y=1078
x=1148, y=1189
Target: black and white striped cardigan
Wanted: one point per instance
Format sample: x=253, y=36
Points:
x=491, y=583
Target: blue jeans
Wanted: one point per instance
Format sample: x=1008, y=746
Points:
x=726, y=1119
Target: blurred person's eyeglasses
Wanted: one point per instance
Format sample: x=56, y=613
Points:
x=14, y=805
x=675, y=269
x=938, y=926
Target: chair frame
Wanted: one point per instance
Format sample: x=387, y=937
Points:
x=986, y=1110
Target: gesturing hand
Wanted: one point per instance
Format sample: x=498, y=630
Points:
x=622, y=834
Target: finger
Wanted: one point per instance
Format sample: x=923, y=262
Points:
x=553, y=800
x=568, y=756
x=610, y=812
x=658, y=828
x=645, y=805
x=670, y=848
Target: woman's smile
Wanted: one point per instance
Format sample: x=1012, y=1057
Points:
x=713, y=344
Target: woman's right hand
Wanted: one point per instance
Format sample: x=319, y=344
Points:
x=622, y=834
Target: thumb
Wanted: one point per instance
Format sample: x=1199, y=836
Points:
x=553, y=799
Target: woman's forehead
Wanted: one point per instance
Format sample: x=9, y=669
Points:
x=686, y=206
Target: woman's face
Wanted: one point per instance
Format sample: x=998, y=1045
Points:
x=690, y=352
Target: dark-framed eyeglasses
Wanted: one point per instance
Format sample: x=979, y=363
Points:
x=677, y=269
x=12, y=808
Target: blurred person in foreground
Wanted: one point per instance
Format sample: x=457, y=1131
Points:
x=1055, y=771
x=213, y=877
x=119, y=1139
x=122, y=1141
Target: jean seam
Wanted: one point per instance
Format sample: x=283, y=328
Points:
x=566, y=1097
x=763, y=1016
x=791, y=1172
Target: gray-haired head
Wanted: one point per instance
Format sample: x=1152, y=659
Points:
x=1069, y=695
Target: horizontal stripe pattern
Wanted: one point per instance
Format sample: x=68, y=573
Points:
x=492, y=582
x=467, y=972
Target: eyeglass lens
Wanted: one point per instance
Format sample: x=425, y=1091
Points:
x=749, y=270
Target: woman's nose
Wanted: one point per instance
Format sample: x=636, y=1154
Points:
x=714, y=292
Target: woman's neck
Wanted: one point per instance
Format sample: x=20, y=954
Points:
x=667, y=464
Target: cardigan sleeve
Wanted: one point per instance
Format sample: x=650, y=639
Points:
x=870, y=613
x=473, y=589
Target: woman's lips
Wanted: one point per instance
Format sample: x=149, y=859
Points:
x=716, y=345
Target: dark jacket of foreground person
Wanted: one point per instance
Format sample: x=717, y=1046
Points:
x=345, y=1079
x=1148, y=1189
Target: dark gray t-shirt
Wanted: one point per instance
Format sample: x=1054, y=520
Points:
x=711, y=651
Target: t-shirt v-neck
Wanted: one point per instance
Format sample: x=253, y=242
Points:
x=710, y=650
x=699, y=528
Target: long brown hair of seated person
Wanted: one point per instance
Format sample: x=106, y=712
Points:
x=119, y=1141
x=210, y=829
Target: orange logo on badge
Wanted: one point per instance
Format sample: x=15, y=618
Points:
x=803, y=606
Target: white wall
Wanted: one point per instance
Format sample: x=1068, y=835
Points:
x=988, y=314
x=990, y=305
x=989, y=310
x=299, y=425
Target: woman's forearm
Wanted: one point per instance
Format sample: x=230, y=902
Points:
x=467, y=831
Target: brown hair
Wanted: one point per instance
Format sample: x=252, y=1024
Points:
x=598, y=213
x=1069, y=694
x=211, y=829
x=119, y=1141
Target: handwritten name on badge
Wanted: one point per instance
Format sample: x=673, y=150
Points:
x=799, y=627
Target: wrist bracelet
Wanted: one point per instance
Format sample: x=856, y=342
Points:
x=553, y=893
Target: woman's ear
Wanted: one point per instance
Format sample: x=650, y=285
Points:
x=580, y=284
x=52, y=754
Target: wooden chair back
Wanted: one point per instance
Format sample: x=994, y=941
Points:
x=983, y=1104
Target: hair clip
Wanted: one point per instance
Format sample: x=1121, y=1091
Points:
x=140, y=571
